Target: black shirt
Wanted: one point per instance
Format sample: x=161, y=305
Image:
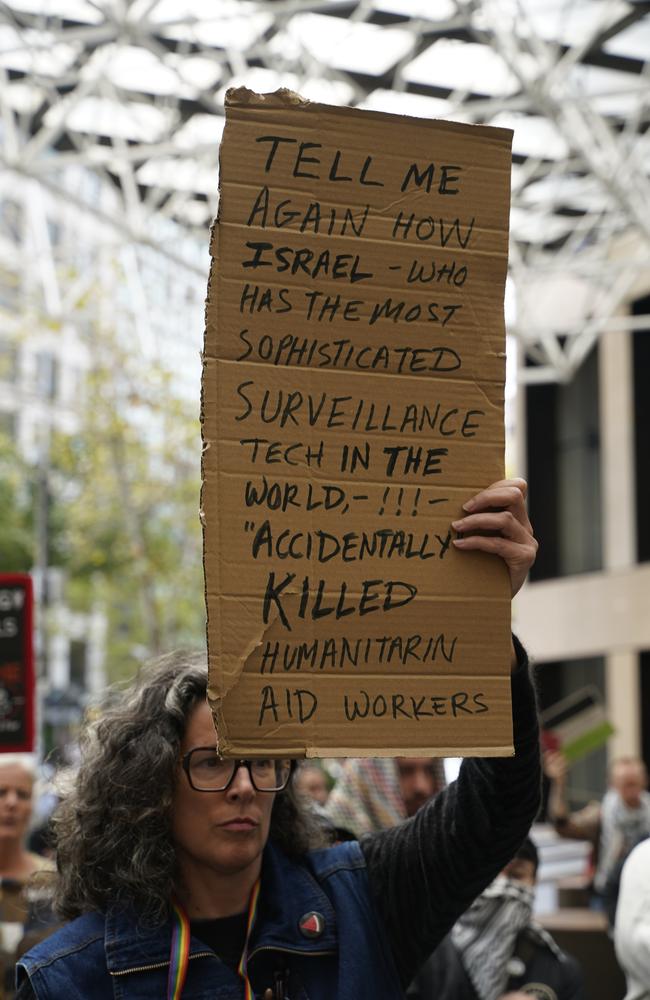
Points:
x=226, y=936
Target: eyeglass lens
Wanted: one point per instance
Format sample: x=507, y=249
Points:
x=210, y=772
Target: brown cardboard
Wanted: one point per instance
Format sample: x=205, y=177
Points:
x=353, y=384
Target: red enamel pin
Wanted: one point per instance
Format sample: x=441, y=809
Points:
x=312, y=924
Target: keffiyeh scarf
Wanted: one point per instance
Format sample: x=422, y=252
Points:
x=486, y=935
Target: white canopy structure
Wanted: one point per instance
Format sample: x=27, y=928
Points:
x=113, y=109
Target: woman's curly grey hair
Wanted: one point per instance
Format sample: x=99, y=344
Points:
x=113, y=829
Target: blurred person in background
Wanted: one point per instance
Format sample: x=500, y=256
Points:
x=311, y=780
x=420, y=778
x=24, y=905
x=376, y=793
x=47, y=797
x=17, y=777
x=496, y=946
x=613, y=826
x=632, y=926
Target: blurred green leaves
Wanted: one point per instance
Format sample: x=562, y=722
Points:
x=123, y=507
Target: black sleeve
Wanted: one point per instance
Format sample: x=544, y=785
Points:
x=425, y=872
x=573, y=984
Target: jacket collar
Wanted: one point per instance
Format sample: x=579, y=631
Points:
x=289, y=892
x=130, y=945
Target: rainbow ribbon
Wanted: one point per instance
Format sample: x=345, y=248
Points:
x=179, y=955
x=180, y=950
x=243, y=962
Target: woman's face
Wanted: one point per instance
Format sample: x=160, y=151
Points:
x=223, y=832
x=16, y=786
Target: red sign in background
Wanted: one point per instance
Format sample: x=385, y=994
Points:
x=17, y=681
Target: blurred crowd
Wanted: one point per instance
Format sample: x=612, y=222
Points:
x=495, y=951
x=497, y=941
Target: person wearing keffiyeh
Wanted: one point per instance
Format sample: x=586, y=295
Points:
x=496, y=950
x=374, y=794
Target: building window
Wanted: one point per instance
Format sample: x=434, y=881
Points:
x=8, y=361
x=563, y=445
x=46, y=375
x=78, y=663
x=587, y=777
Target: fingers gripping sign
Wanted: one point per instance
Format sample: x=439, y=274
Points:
x=496, y=522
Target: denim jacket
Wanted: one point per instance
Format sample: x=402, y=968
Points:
x=341, y=954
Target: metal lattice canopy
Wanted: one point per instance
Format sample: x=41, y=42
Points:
x=115, y=109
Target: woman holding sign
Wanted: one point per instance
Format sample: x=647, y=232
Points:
x=195, y=876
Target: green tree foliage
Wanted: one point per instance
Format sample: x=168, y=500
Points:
x=17, y=543
x=129, y=485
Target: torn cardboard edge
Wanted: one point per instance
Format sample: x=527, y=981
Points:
x=468, y=751
x=284, y=98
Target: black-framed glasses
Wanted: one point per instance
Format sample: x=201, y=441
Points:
x=208, y=772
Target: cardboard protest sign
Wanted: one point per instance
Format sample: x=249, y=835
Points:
x=353, y=384
x=16, y=663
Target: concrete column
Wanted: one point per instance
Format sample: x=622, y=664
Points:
x=622, y=685
x=617, y=450
x=622, y=676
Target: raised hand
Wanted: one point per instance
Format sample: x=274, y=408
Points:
x=496, y=521
x=555, y=765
